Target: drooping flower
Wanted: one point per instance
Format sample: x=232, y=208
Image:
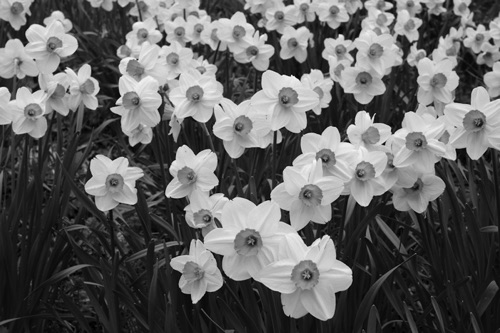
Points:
x=139, y=103
x=285, y=100
x=478, y=124
x=14, y=12
x=307, y=194
x=307, y=277
x=249, y=238
x=321, y=85
x=199, y=271
x=235, y=127
x=366, y=133
x=15, y=61
x=55, y=87
x=204, y=209
x=492, y=80
x=149, y=63
x=28, y=113
x=112, y=182
x=83, y=88
x=47, y=45
x=426, y=188
x=57, y=15
x=191, y=172
x=196, y=96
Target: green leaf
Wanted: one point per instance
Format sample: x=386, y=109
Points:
x=486, y=297
x=60, y=275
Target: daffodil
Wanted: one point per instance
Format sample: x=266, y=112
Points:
x=14, y=12
x=15, y=62
x=28, y=113
x=426, y=188
x=363, y=83
x=294, y=43
x=332, y=12
x=83, y=88
x=249, y=238
x=191, y=172
x=112, y=182
x=47, y=45
x=138, y=103
x=366, y=133
x=203, y=209
x=436, y=81
x=285, y=100
x=307, y=194
x=199, y=271
x=478, y=124
x=308, y=277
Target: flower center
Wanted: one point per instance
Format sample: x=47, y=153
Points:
x=334, y=10
x=192, y=271
x=371, y=136
x=53, y=43
x=16, y=8
x=198, y=28
x=242, y=125
x=365, y=171
x=304, y=8
x=474, y=121
x=279, y=15
x=195, y=14
x=239, y=32
x=173, y=59
x=179, y=32
x=247, y=242
x=194, y=94
x=338, y=70
x=135, y=69
x=409, y=25
x=142, y=35
x=292, y=43
x=59, y=92
x=479, y=37
x=340, y=50
x=381, y=19
x=213, y=35
x=311, y=195
x=416, y=187
x=390, y=160
x=327, y=157
x=252, y=51
x=375, y=51
x=114, y=182
x=305, y=274
x=32, y=111
x=364, y=78
x=319, y=91
x=288, y=97
x=203, y=218
x=438, y=80
x=87, y=87
x=186, y=176
x=143, y=7
x=451, y=52
x=131, y=100
x=410, y=4
x=201, y=69
x=416, y=141
x=462, y=7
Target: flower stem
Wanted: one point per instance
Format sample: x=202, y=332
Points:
x=111, y=233
x=273, y=176
x=79, y=117
x=210, y=142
